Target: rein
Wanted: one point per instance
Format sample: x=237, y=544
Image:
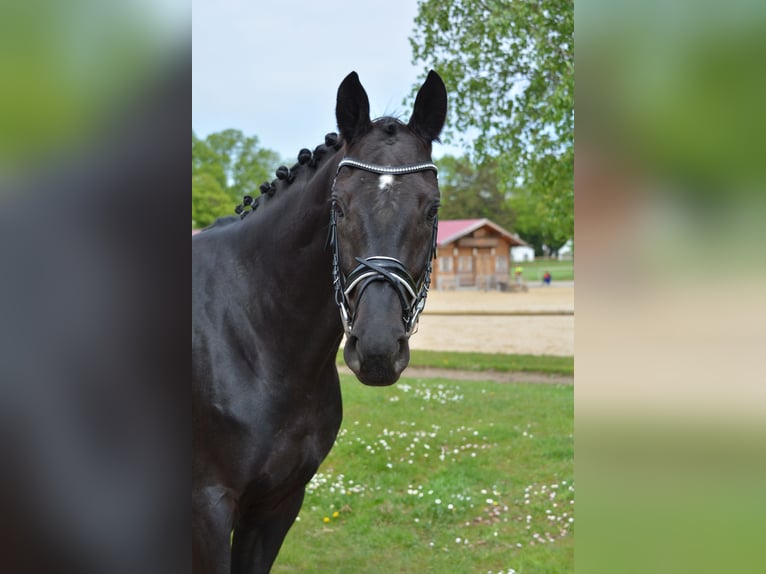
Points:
x=412, y=294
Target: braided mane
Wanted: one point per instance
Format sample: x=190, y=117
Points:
x=285, y=176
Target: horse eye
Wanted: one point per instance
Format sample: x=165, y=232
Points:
x=336, y=207
x=433, y=211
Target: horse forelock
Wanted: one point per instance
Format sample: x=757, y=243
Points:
x=389, y=124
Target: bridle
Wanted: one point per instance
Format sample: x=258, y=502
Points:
x=412, y=294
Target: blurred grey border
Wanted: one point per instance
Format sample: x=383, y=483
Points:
x=94, y=408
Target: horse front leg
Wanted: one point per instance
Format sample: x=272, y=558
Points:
x=212, y=511
x=257, y=539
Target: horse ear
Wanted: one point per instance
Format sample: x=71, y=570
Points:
x=430, y=109
x=352, y=109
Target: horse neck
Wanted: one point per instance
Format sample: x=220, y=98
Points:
x=293, y=279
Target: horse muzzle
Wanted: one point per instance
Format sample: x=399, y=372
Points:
x=377, y=347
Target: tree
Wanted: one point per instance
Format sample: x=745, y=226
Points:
x=469, y=192
x=226, y=165
x=509, y=70
x=245, y=166
x=529, y=224
x=209, y=200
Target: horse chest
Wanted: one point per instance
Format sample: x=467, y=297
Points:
x=293, y=453
x=302, y=427
x=296, y=454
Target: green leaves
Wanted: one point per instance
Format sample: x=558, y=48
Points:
x=226, y=165
x=540, y=215
x=209, y=200
x=469, y=192
x=509, y=71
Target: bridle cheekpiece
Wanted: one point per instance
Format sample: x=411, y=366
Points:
x=412, y=294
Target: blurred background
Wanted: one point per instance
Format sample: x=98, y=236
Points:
x=669, y=220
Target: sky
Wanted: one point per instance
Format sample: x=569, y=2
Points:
x=273, y=69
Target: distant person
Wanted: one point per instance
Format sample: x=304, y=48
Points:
x=547, y=279
x=518, y=271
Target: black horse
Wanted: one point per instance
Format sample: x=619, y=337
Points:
x=347, y=228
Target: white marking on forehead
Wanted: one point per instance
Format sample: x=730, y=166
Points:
x=385, y=181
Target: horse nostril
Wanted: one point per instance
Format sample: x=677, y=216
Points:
x=351, y=353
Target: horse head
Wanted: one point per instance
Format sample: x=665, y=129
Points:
x=385, y=201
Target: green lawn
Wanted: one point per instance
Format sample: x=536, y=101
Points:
x=442, y=476
x=550, y=364
x=533, y=271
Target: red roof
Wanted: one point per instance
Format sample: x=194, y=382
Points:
x=453, y=229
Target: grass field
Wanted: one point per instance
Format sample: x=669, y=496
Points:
x=533, y=271
x=442, y=476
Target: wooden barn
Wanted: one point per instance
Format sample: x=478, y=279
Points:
x=472, y=254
